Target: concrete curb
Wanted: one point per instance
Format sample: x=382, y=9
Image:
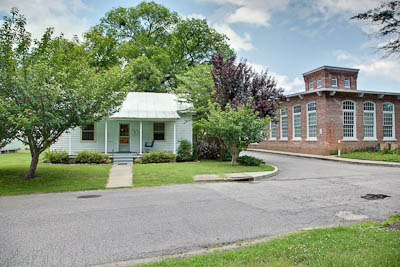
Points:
x=237, y=177
x=331, y=158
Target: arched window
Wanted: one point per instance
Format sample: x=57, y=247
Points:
x=334, y=81
x=312, y=121
x=297, y=122
x=388, y=121
x=284, y=125
x=369, y=121
x=349, y=120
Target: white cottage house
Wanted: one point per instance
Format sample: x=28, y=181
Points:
x=145, y=122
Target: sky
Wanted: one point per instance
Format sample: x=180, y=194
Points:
x=285, y=37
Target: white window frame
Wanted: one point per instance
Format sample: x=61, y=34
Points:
x=314, y=138
x=347, y=79
x=319, y=83
x=336, y=81
x=270, y=130
x=281, y=138
x=354, y=137
x=373, y=138
x=293, y=128
x=393, y=137
x=311, y=84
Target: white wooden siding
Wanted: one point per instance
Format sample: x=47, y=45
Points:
x=183, y=132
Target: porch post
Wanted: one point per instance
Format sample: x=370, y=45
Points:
x=69, y=143
x=140, y=138
x=105, y=137
x=174, y=137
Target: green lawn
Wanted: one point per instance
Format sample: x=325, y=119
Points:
x=183, y=172
x=365, y=244
x=52, y=178
x=380, y=156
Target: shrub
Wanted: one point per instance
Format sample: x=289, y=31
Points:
x=184, y=151
x=249, y=161
x=226, y=157
x=56, y=156
x=91, y=157
x=158, y=157
x=138, y=161
x=208, y=151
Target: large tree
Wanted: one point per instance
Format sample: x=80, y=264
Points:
x=235, y=128
x=237, y=84
x=387, y=17
x=169, y=43
x=50, y=86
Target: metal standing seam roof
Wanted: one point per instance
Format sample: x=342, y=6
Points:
x=138, y=105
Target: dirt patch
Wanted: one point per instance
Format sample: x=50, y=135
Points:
x=393, y=227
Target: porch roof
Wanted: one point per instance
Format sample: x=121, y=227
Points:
x=139, y=105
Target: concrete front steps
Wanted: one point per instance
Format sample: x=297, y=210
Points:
x=124, y=158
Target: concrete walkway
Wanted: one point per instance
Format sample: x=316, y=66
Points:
x=120, y=176
x=333, y=158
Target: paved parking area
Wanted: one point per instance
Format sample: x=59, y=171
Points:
x=123, y=224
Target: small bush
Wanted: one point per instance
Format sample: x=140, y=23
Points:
x=208, y=151
x=249, y=161
x=158, y=157
x=226, y=157
x=184, y=151
x=56, y=157
x=91, y=157
x=138, y=161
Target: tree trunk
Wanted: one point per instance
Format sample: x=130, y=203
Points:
x=32, y=169
x=234, y=154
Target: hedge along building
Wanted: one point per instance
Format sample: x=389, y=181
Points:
x=145, y=122
x=333, y=110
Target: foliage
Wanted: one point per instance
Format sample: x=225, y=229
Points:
x=365, y=244
x=180, y=173
x=138, y=161
x=184, y=151
x=55, y=157
x=50, y=86
x=387, y=16
x=7, y=132
x=86, y=156
x=238, y=84
x=150, y=31
x=158, y=157
x=391, y=156
x=235, y=128
x=249, y=161
x=53, y=178
x=196, y=86
x=208, y=151
x=226, y=157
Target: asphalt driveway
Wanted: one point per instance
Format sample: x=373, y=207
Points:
x=63, y=230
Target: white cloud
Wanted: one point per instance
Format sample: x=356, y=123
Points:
x=290, y=86
x=342, y=55
x=194, y=16
x=332, y=8
x=381, y=67
x=42, y=14
x=235, y=40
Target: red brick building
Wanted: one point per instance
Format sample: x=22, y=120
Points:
x=332, y=109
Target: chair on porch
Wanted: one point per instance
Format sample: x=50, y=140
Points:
x=148, y=146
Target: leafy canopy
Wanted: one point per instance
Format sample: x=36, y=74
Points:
x=169, y=43
x=50, y=86
x=387, y=16
x=235, y=128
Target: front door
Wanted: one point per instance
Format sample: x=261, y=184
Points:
x=124, y=138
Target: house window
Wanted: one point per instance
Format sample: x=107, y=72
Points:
x=319, y=82
x=388, y=121
x=334, y=81
x=284, y=124
x=159, y=131
x=369, y=120
x=349, y=120
x=347, y=83
x=311, y=84
x=297, y=122
x=272, y=127
x=312, y=121
x=88, y=133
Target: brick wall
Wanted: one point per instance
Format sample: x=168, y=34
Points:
x=330, y=124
